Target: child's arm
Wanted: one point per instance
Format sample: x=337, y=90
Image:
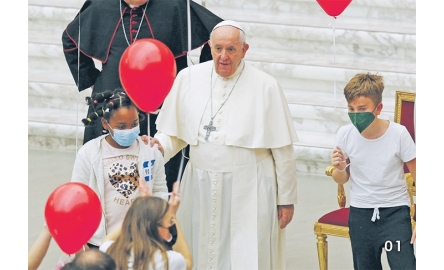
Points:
x=39, y=249
x=112, y=235
x=341, y=172
x=182, y=247
x=411, y=165
x=159, y=183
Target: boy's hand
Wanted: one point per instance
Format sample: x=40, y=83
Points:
x=338, y=159
x=413, y=236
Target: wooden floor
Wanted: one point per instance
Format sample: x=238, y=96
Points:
x=47, y=169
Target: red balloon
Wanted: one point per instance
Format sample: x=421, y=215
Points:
x=334, y=7
x=147, y=70
x=72, y=213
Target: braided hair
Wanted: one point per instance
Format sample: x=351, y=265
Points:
x=106, y=103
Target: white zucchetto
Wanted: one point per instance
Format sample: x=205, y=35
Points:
x=230, y=23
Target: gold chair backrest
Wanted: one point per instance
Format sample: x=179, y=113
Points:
x=405, y=115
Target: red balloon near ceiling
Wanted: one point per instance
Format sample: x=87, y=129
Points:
x=334, y=7
x=72, y=213
x=147, y=70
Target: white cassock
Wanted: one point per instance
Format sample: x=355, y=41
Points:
x=233, y=181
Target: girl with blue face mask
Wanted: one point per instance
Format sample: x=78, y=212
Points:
x=126, y=127
x=111, y=163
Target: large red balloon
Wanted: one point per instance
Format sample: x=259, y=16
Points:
x=334, y=7
x=147, y=70
x=72, y=213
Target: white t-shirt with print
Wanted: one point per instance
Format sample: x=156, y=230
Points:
x=120, y=176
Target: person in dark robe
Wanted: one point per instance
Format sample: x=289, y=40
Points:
x=108, y=27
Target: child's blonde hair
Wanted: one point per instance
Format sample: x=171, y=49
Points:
x=365, y=84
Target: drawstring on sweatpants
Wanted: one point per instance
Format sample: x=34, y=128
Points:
x=375, y=214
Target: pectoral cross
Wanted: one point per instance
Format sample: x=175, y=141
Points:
x=209, y=128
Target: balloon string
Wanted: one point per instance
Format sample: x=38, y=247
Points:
x=148, y=127
x=78, y=83
x=189, y=80
x=180, y=168
x=189, y=39
x=189, y=32
x=332, y=25
x=334, y=40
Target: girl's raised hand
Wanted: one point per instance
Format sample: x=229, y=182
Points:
x=144, y=190
x=174, y=200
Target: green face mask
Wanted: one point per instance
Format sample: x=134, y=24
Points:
x=361, y=120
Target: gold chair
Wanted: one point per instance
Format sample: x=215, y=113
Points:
x=335, y=223
x=405, y=115
x=405, y=112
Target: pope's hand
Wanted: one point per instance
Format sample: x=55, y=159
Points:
x=285, y=213
x=152, y=141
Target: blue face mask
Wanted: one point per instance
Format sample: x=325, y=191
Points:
x=125, y=137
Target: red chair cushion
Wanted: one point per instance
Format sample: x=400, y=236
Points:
x=338, y=217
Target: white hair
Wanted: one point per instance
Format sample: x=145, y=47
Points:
x=233, y=24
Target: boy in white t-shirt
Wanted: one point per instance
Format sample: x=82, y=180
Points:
x=371, y=152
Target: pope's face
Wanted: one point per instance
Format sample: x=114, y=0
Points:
x=227, y=50
x=135, y=3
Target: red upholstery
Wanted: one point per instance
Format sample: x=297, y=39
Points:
x=407, y=120
x=407, y=111
x=338, y=217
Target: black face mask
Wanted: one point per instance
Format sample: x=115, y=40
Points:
x=173, y=232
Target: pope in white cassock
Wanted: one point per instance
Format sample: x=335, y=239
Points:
x=238, y=189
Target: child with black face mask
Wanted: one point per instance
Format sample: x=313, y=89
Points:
x=371, y=152
x=111, y=163
x=150, y=237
